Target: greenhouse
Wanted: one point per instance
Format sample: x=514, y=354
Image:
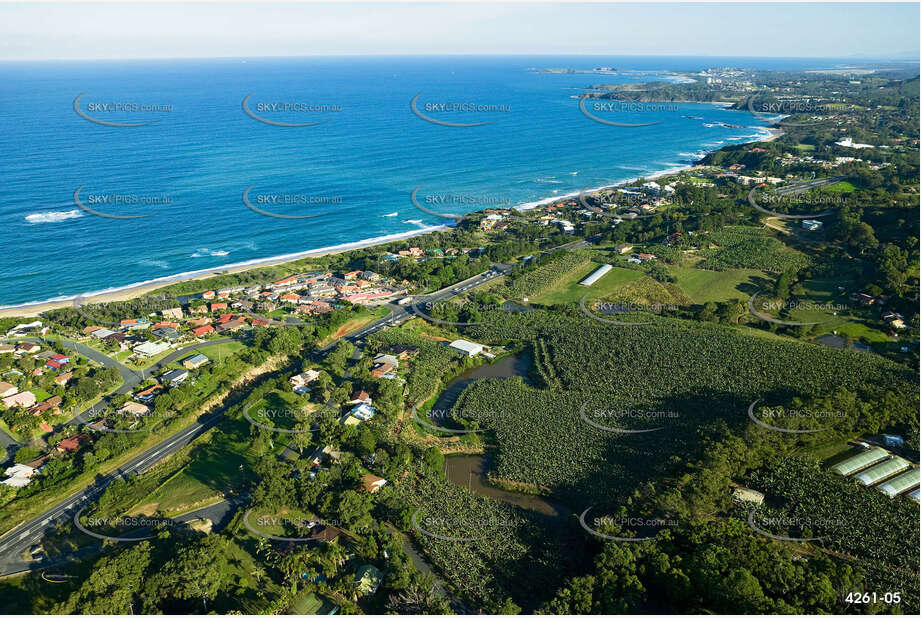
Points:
x=860, y=461
x=902, y=482
x=882, y=471
x=915, y=495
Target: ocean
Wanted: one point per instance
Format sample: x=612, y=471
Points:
x=197, y=150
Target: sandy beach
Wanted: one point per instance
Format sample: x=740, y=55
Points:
x=134, y=291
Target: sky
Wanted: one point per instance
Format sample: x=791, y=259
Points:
x=76, y=30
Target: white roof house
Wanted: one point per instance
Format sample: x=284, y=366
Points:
x=363, y=412
x=102, y=333
x=150, y=348
x=467, y=347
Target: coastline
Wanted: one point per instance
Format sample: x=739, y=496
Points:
x=134, y=290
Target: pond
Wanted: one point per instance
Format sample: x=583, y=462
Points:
x=507, y=367
x=470, y=471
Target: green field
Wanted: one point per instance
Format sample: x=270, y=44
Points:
x=840, y=187
x=568, y=290
x=705, y=286
x=307, y=603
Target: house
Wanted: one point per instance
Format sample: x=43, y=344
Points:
x=6, y=348
x=245, y=305
x=164, y=324
x=645, y=257
x=300, y=381
x=148, y=394
x=743, y=494
x=27, y=347
x=150, y=348
x=363, y=412
x=208, y=295
x=652, y=188
x=368, y=579
x=286, y=282
x=865, y=299
x=167, y=333
x=174, y=313
x=811, y=225
x=382, y=370
x=381, y=359
x=195, y=361
x=623, y=248
x=199, y=322
x=290, y=297
x=54, y=365
x=369, y=275
x=64, y=378
x=351, y=276
x=7, y=389
x=218, y=306
x=19, y=475
x=232, y=325
x=134, y=408
x=24, y=399
x=174, y=377
x=466, y=347
x=73, y=444
x=360, y=397
x=402, y=351
x=203, y=330
x=200, y=310
x=114, y=338
x=371, y=483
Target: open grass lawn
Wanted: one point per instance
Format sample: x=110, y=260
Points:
x=41, y=394
x=224, y=463
x=805, y=147
x=305, y=604
x=840, y=187
x=356, y=323
x=219, y=351
x=567, y=288
x=704, y=286
x=825, y=303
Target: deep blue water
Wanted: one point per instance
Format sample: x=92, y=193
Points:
x=365, y=159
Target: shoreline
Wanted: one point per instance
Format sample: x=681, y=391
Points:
x=134, y=290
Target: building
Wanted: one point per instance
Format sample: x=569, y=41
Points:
x=363, y=412
x=7, y=390
x=744, y=494
x=892, y=440
x=203, y=330
x=882, y=471
x=134, y=408
x=860, y=461
x=901, y=483
x=27, y=347
x=150, y=348
x=466, y=347
x=301, y=380
x=174, y=313
x=174, y=377
x=386, y=358
x=595, y=276
x=653, y=188
x=167, y=333
x=812, y=225
x=623, y=249
x=368, y=579
x=382, y=370
x=19, y=475
x=360, y=397
x=148, y=394
x=24, y=399
x=64, y=378
x=195, y=361
x=371, y=483
x=73, y=444
x=231, y=326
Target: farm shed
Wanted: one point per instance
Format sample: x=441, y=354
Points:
x=860, y=461
x=902, y=482
x=881, y=471
x=595, y=276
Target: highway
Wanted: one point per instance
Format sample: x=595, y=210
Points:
x=16, y=542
